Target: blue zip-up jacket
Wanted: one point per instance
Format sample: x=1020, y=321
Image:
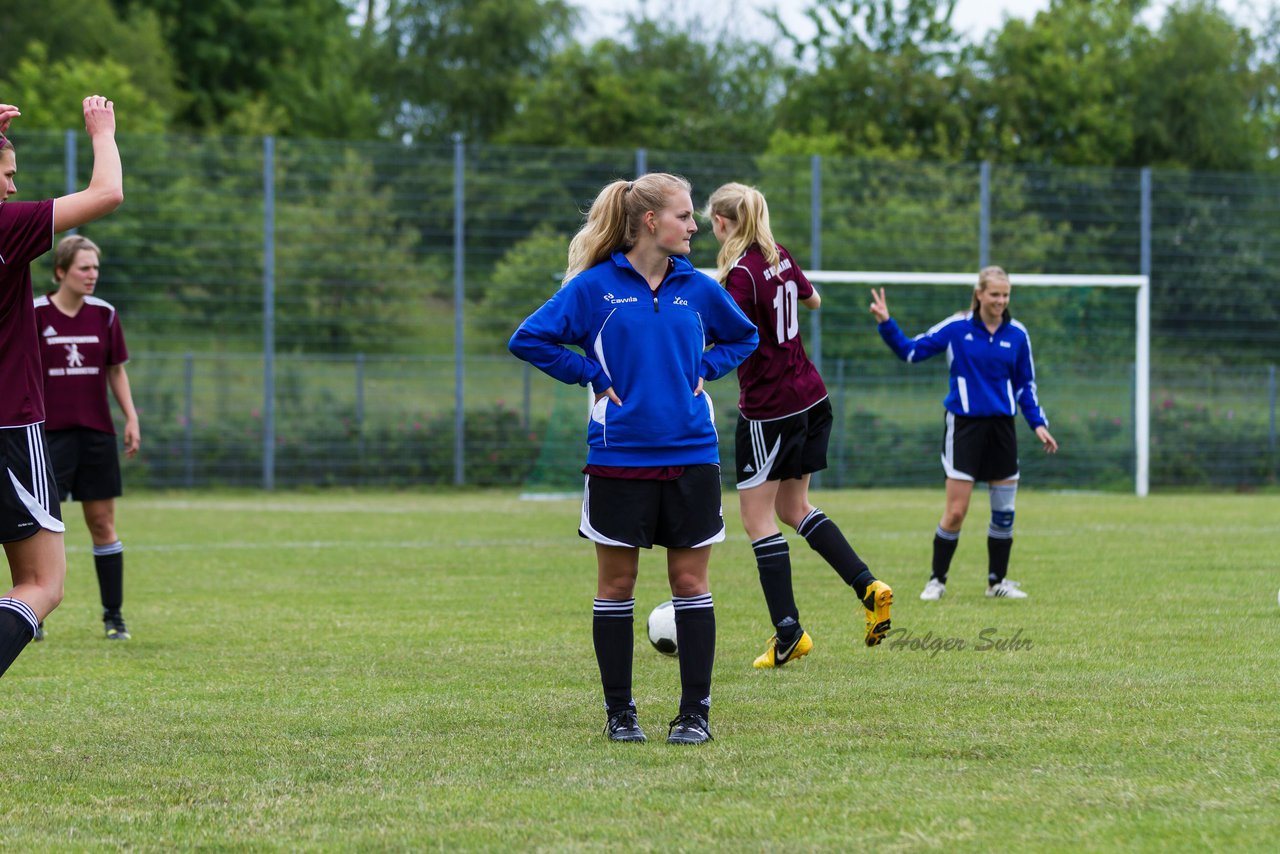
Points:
x=651, y=348
x=989, y=372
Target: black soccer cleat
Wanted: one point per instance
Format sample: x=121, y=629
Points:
x=623, y=726
x=689, y=729
x=113, y=623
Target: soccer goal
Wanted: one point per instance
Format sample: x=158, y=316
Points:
x=1081, y=320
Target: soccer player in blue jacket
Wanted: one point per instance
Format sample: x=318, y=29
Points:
x=651, y=330
x=992, y=375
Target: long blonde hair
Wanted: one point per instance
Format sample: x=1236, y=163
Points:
x=985, y=277
x=745, y=206
x=616, y=216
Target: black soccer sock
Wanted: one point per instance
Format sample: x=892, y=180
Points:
x=944, y=548
x=998, y=549
x=825, y=538
x=108, y=560
x=612, y=633
x=17, y=627
x=773, y=562
x=696, y=639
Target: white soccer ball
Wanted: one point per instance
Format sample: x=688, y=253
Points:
x=662, y=628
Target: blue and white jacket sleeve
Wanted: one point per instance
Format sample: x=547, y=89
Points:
x=734, y=335
x=916, y=349
x=1024, y=387
x=541, y=339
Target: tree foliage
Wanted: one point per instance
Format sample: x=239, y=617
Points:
x=658, y=88
x=457, y=66
x=287, y=67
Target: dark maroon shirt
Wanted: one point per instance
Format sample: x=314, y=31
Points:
x=778, y=379
x=26, y=233
x=76, y=352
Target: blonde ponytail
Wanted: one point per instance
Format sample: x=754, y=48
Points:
x=747, y=209
x=616, y=215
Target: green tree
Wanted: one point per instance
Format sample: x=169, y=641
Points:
x=457, y=66
x=51, y=92
x=887, y=78
x=1061, y=88
x=288, y=67
x=1206, y=98
x=526, y=276
x=659, y=88
x=350, y=276
x=74, y=40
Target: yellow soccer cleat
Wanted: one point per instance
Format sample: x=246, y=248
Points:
x=877, y=602
x=775, y=657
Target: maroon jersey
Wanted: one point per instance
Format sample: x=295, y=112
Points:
x=26, y=233
x=778, y=379
x=76, y=352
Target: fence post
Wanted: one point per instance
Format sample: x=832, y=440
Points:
x=188, y=414
x=69, y=167
x=815, y=263
x=1142, y=356
x=642, y=161
x=1271, y=394
x=360, y=417
x=984, y=214
x=268, y=313
x=459, y=295
x=839, y=425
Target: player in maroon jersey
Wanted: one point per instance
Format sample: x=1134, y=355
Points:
x=84, y=353
x=30, y=520
x=784, y=424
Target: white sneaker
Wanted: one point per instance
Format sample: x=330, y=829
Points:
x=1006, y=589
x=934, y=589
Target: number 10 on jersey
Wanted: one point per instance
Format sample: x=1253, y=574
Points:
x=786, y=304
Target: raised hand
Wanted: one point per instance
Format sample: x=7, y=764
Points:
x=879, y=308
x=8, y=112
x=99, y=115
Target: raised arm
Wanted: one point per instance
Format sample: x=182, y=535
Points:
x=106, y=185
x=916, y=349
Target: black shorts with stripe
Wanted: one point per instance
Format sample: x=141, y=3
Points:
x=980, y=449
x=782, y=448
x=683, y=513
x=86, y=464
x=28, y=496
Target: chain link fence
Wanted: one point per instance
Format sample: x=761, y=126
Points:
x=309, y=312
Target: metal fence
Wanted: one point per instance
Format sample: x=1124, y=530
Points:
x=327, y=312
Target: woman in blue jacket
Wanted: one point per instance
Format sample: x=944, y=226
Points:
x=992, y=374
x=652, y=330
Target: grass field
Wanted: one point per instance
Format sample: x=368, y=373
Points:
x=355, y=672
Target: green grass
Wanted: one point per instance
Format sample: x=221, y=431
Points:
x=372, y=671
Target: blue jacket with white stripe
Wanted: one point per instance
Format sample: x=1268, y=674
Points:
x=989, y=372
x=651, y=347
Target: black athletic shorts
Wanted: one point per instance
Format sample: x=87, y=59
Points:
x=684, y=513
x=28, y=495
x=86, y=464
x=983, y=449
x=783, y=448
